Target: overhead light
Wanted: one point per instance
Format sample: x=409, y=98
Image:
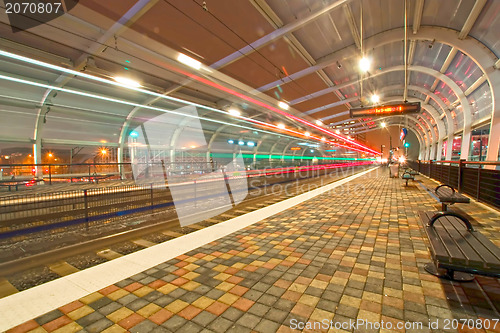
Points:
x=134, y=134
x=234, y=112
x=193, y=146
x=364, y=64
x=281, y=126
x=319, y=122
x=182, y=58
x=375, y=98
x=283, y=105
x=241, y=143
x=127, y=81
x=337, y=131
x=323, y=139
x=230, y=142
x=383, y=124
x=307, y=134
x=251, y=144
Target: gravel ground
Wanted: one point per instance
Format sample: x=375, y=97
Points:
x=85, y=260
x=32, y=277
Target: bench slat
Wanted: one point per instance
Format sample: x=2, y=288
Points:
x=440, y=239
x=486, y=249
x=462, y=240
x=477, y=253
x=438, y=251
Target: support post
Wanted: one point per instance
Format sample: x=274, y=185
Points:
x=460, y=172
x=86, y=205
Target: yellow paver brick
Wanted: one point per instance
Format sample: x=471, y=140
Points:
x=70, y=328
x=191, y=285
x=225, y=286
x=117, y=294
x=176, y=306
x=203, y=302
x=91, y=298
x=351, y=301
x=114, y=329
x=149, y=310
x=119, y=314
x=143, y=291
x=80, y=312
x=228, y=298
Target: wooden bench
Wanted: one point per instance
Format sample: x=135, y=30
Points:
x=413, y=172
x=457, y=250
x=407, y=176
x=448, y=196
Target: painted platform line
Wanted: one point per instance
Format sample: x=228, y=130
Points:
x=21, y=307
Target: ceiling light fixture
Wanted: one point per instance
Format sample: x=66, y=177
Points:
x=283, y=105
x=281, y=126
x=375, y=98
x=364, y=64
x=319, y=122
x=193, y=63
x=234, y=112
x=127, y=81
x=307, y=134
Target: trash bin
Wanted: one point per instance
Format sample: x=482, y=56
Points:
x=393, y=168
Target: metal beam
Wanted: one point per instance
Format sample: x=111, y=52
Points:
x=331, y=105
x=471, y=19
x=352, y=25
x=417, y=16
x=276, y=34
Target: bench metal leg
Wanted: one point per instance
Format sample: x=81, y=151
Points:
x=444, y=207
x=448, y=274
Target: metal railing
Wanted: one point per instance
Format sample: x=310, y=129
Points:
x=469, y=177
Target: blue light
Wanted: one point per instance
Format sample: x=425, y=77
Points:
x=251, y=144
x=241, y=143
x=134, y=134
x=230, y=142
x=407, y=144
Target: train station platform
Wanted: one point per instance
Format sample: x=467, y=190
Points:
x=348, y=251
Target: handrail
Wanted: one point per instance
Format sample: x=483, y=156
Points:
x=463, y=162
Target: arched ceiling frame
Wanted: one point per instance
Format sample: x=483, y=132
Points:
x=483, y=57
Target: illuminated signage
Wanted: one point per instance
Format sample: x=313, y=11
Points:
x=386, y=110
x=295, y=148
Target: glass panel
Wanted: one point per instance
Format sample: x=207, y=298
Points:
x=443, y=149
x=479, y=144
x=457, y=146
x=481, y=102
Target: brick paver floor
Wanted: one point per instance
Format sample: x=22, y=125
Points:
x=354, y=253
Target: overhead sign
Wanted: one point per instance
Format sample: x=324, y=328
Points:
x=386, y=110
x=295, y=148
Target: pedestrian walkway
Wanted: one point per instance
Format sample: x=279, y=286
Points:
x=355, y=252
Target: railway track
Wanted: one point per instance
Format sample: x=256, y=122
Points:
x=37, y=268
